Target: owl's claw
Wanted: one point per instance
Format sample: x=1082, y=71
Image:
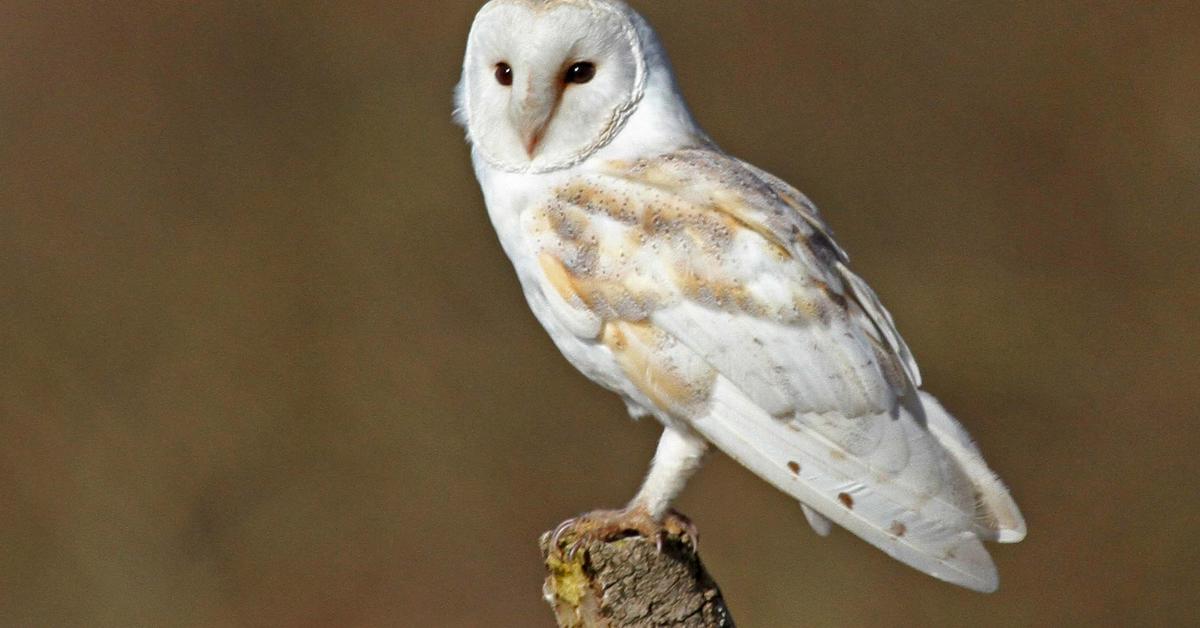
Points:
x=556, y=537
x=610, y=525
x=681, y=526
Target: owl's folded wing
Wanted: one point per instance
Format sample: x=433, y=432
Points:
x=821, y=236
x=696, y=227
x=727, y=304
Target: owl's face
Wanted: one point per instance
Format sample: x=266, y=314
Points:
x=548, y=82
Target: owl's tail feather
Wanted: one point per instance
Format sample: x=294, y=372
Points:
x=934, y=533
x=997, y=516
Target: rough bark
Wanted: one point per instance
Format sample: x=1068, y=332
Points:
x=629, y=582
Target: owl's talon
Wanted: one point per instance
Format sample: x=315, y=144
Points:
x=682, y=526
x=573, y=549
x=610, y=525
x=558, y=532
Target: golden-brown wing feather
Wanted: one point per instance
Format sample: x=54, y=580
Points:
x=724, y=302
x=777, y=314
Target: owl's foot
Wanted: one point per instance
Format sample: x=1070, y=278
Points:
x=610, y=525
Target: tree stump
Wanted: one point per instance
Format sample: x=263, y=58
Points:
x=630, y=582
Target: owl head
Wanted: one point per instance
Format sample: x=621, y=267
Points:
x=548, y=83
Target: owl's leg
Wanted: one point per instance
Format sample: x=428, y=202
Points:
x=679, y=455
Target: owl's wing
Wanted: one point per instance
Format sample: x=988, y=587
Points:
x=821, y=236
x=726, y=303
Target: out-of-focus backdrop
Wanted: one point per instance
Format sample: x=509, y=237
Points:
x=263, y=363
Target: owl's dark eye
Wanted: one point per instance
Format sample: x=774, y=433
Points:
x=580, y=73
x=504, y=74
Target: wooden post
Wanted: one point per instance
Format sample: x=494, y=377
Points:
x=629, y=582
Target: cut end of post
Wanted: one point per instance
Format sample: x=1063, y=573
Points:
x=630, y=582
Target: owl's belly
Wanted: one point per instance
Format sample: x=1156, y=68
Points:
x=574, y=331
x=589, y=356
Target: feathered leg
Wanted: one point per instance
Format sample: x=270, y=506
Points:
x=679, y=455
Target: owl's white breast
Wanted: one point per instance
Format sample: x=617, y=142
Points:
x=507, y=196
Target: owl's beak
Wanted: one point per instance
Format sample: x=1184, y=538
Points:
x=532, y=111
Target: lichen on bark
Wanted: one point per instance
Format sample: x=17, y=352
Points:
x=631, y=582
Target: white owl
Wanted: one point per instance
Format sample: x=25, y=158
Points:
x=709, y=294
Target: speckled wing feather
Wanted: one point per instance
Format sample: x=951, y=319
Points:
x=880, y=318
x=726, y=303
x=699, y=247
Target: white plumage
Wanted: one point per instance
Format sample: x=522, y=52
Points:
x=708, y=293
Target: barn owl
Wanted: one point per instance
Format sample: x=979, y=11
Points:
x=709, y=295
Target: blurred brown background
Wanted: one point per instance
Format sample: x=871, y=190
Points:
x=263, y=363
